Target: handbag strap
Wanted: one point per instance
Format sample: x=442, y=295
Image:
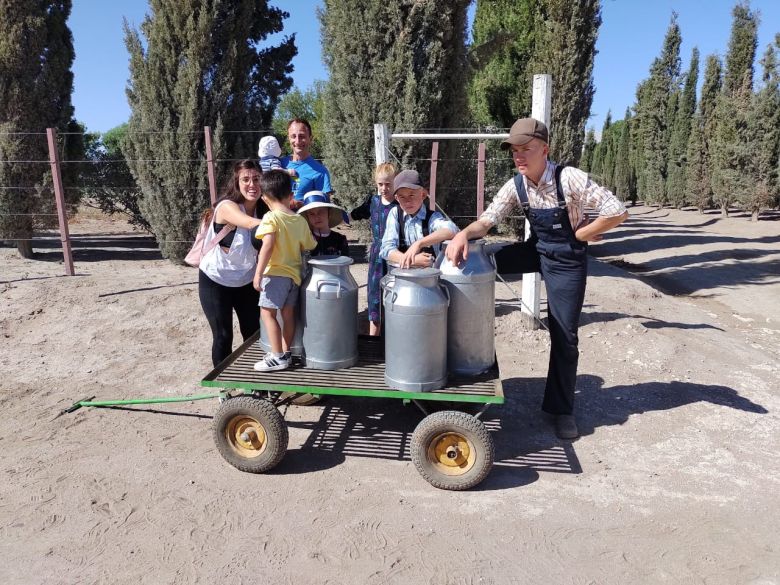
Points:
x=218, y=238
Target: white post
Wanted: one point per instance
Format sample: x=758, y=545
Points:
x=381, y=143
x=532, y=283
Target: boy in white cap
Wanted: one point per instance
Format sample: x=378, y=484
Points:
x=322, y=216
x=269, y=152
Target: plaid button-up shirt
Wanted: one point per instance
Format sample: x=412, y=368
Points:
x=578, y=190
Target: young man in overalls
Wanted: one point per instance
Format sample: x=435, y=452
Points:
x=553, y=200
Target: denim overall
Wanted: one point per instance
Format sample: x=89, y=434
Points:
x=563, y=264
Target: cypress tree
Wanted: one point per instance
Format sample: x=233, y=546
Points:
x=610, y=153
x=597, y=162
x=586, y=162
x=500, y=76
x=697, y=173
x=622, y=174
x=662, y=83
x=742, y=48
x=504, y=40
x=514, y=39
x=36, y=83
x=731, y=151
x=637, y=144
x=566, y=51
x=678, y=143
x=600, y=152
x=392, y=61
x=764, y=131
x=198, y=65
x=709, y=97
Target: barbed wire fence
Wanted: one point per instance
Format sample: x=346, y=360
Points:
x=57, y=193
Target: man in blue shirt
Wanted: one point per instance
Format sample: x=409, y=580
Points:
x=413, y=241
x=310, y=174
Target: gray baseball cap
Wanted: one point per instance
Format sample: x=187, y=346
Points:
x=409, y=179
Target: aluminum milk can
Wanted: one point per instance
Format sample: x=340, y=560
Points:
x=329, y=308
x=471, y=316
x=415, y=306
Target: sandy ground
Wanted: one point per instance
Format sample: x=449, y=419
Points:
x=675, y=478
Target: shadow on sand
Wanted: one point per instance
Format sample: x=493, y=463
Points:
x=525, y=443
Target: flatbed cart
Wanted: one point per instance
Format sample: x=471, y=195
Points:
x=451, y=449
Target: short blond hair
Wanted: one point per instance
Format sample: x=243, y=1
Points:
x=384, y=169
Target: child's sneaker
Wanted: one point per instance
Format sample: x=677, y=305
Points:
x=272, y=363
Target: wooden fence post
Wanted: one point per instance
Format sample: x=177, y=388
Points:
x=210, y=166
x=434, y=163
x=532, y=283
x=381, y=143
x=480, y=179
x=59, y=196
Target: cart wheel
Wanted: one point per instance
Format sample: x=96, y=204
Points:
x=250, y=434
x=452, y=450
x=302, y=399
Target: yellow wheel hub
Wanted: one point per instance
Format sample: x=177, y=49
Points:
x=246, y=436
x=451, y=453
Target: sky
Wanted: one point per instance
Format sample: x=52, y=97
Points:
x=630, y=38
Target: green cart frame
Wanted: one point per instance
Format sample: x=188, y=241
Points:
x=450, y=448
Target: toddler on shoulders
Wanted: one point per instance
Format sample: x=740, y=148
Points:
x=269, y=152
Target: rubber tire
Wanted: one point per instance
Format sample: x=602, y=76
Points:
x=272, y=422
x=303, y=399
x=449, y=421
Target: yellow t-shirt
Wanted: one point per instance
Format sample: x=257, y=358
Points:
x=293, y=236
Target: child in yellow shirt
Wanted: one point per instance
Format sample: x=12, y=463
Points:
x=278, y=275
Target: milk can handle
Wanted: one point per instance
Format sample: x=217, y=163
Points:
x=335, y=283
x=389, y=289
x=388, y=283
x=446, y=293
x=492, y=260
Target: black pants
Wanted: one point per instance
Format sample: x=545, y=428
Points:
x=565, y=271
x=218, y=304
x=564, y=276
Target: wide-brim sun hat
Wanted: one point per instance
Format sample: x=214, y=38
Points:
x=315, y=199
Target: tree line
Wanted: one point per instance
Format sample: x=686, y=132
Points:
x=720, y=151
x=196, y=63
x=406, y=63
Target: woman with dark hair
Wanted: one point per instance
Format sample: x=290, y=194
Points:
x=226, y=271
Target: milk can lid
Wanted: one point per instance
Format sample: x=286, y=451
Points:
x=416, y=272
x=331, y=261
x=445, y=243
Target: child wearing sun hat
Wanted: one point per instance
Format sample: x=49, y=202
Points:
x=322, y=216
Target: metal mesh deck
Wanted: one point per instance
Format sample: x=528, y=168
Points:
x=367, y=378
